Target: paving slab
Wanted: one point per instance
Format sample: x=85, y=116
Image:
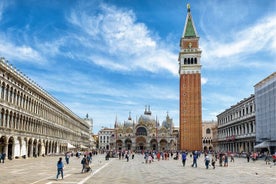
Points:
x=42, y=170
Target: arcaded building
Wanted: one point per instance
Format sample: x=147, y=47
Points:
x=144, y=134
x=190, y=112
x=32, y=122
x=237, y=127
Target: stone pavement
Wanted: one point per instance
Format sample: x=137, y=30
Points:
x=43, y=171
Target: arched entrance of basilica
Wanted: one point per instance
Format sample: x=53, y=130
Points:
x=141, y=144
x=153, y=145
x=163, y=145
x=128, y=144
x=119, y=145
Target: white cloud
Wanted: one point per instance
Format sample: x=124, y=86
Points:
x=21, y=53
x=257, y=38
x=204, y=80
x=125, y=44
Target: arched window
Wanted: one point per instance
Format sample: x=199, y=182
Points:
x=185, y=61
x=195, y=60
x=141, y=131
x=208, y=131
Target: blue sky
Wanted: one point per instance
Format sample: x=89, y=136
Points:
x=111, y=57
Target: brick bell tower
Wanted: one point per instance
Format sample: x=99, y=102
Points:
x=190, y=112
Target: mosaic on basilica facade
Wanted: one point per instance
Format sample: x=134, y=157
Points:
x=145, y=134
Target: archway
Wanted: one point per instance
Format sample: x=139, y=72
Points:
x=17, y=147
x=30, y=147
x=39, y=148
x=128, y=144
x=163, y=144
x=34, y=148
x=46, y=148
x=3, y=140
x=119, y=145
x=10, y=148
x=24, y=148
x=153, y=144
x=141, y=131
x=141, y=144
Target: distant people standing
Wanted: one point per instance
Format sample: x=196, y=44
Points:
x=184, y=156
x=248, y=157
x=120, y=155
x=232, y=158
x=220, y=159
x=127, y=156
x=59, y=168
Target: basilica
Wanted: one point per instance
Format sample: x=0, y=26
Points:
x=144, y=134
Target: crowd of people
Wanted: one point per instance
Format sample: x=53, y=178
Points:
x=210, y=158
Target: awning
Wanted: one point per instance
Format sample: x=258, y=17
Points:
x=83, y=147
x=264, y=144
x=70, y=146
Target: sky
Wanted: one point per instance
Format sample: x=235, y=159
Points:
x=111, y=58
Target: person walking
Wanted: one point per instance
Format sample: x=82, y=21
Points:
x=60, y=166
x=213, y=162
x=226, y=160
x=207, y=161
x=84, y=163
x=195, y=156
x=3, y=157
x=267, y=160
x=67, y=156
x=184, y=156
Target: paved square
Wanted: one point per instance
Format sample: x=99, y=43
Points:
x=43, y=171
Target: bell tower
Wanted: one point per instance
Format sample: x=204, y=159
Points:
x=190, y=112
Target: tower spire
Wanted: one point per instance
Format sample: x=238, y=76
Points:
x=188, y=7
x=189, y=29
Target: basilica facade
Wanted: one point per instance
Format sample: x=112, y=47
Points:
x=32, y=122
x=146, y=133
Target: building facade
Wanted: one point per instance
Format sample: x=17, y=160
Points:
x=265, y=99
x=145, y=134
x=33, y=123
x=208, y=128
x=190, y=112
x=105, y=135
x=237, y=127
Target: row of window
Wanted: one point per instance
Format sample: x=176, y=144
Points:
x=189, y=61
x=243, y=129
x=20, y=122
x=237, y=112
